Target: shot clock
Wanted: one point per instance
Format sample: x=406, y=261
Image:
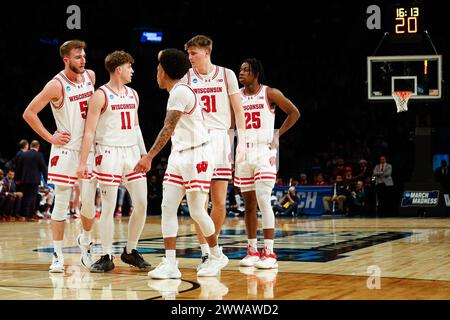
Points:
x=407, y=23
x=407, y=20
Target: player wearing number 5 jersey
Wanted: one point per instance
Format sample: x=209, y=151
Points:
x=67, y=93
x=113, y=120
x=256, y=176
x=217, y=90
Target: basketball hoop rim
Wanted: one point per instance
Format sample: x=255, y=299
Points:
x=401, y=99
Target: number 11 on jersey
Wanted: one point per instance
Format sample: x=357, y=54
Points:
x=126, y=120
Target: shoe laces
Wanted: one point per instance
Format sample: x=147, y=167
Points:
x=137, y=256
x=265, y=255
x=105, y=258
x=252, y=254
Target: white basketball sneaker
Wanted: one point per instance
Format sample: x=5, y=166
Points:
x=211, y=267
x=57, y=265
x=203, y=263
x=267, y=261
x=223, y=260
x=250, y=258
x=165, y=270
x=86, y=255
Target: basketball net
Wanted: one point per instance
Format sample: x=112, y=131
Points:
x=401, y=99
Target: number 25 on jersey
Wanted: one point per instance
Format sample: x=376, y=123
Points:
x=252, y=120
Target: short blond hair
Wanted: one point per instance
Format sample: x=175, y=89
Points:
x=200, y=41
x=66, y=47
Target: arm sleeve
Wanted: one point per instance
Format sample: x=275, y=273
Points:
x=140, y=140
x=233, y=86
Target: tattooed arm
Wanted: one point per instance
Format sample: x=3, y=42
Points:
x=164, y=135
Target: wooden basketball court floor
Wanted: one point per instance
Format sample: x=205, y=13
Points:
x=319, y=258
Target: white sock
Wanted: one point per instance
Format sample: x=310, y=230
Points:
x=215, y=251
x=171, y=256
x=205, y=249
x=268, y=244
x=131, y=245
x=86, y=237
x=108, y=251
x=57, y=245
x=253, y=243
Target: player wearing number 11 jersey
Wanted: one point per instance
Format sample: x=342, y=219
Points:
x=67, y=93
x=112, y=120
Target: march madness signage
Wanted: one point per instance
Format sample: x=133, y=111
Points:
x=420, y=198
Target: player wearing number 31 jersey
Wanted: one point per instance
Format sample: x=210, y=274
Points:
x=217, y=90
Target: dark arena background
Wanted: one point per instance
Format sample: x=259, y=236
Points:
x=316, y=53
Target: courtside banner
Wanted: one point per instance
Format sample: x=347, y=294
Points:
x=310, y=197
x=420, y=198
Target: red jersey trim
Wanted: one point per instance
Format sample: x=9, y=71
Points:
x=212, y=78
x=106, y=100
x=62, y=100
x=195, y=102
x=90, y=78
x=268, y=102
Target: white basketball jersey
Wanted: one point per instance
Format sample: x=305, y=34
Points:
x=70, y=114
x=212, y=93
x=259, y=117
x=190, y=130
x=116, y=125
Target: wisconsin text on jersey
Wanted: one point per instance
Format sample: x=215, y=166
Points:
x=208, y=90
x=123, y=106
x=80, y=96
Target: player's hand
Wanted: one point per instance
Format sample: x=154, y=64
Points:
x=144, y=165
x=241, y=153
x=82, y=172
x=60, y=138
x=275, y=143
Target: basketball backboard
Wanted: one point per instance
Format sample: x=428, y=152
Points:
x=421, y=74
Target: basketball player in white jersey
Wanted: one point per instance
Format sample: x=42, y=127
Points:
x=67, y=93
x=189, y=168
x=217, y=90
x=113, y=121
x=257, y=174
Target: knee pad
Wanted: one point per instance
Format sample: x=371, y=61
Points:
x=169, y=219
x=62, y=198
x=87, y=192
x=196, y=200
x=263, y=193
x=172, y=197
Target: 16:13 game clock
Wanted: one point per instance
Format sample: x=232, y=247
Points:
x=408, y=20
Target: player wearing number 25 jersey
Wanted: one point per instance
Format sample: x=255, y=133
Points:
x=256, y=176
